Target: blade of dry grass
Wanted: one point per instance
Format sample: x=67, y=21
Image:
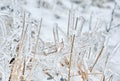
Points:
x=35, y=50
x=112, y=16
x=71, y=55
x=54, y=34
x=39, y=28
x=97, y=59
x=17, y=59
x=84, y=75
x=76, y=23
x=57, y=34
x=68, y=28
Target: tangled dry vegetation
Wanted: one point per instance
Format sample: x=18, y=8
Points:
x=25, y=56
x=77, y=54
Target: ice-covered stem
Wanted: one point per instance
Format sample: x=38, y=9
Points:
x=96, y=60
x=68, y=28
x=90, y=22
x=71, y=55
x=38, y=36
x=18, y=63
x=56, y=34
x=35, y=49
x=20, y=45
x=76, y=23
x=112, y=16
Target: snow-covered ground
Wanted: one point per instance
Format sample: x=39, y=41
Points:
x=74, y=42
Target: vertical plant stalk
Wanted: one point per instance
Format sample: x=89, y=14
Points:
x=97, y=59
x=23, y=71
x=90, y=22
x=68, y=28
x=71, y=55
x=17, y=59
x=107, y=59
x=84, y=74
x=76, y=23
x=103, y=77
x=81, y=27
x=54, y=34
x=35, y=50
x=89, y=54
x=38, y=36
x=57, y=32
x=112, y=15
x=20, y=45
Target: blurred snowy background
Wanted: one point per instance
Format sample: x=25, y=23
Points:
x=98, y=28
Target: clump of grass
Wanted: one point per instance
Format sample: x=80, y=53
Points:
x=80, y=52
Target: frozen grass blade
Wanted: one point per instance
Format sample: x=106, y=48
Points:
x=38, y=36
x=35, y=50
x=71, y=55
x=112, y=16
x=68, y=28
x=76, y=23
x=97, y=59
x=54, y=34
x=17, y=59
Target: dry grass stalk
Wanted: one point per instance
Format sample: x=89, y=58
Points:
x=112, y=16
x=89, y=53
x=35, y=50
x=71, y=55
x=20, y=45
x=90, y=22
x=54, y=34
x=81, y=27
x=103, y=77
x=23, y=70
x=84, y=75
x=64, y=62
x=16, y=66
x=50, y=75
x=38, y=36
x=107, y=59
x=68, y=28
x=57, y=34
x=61, y=46
x=76, y=23
x=97, y=59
